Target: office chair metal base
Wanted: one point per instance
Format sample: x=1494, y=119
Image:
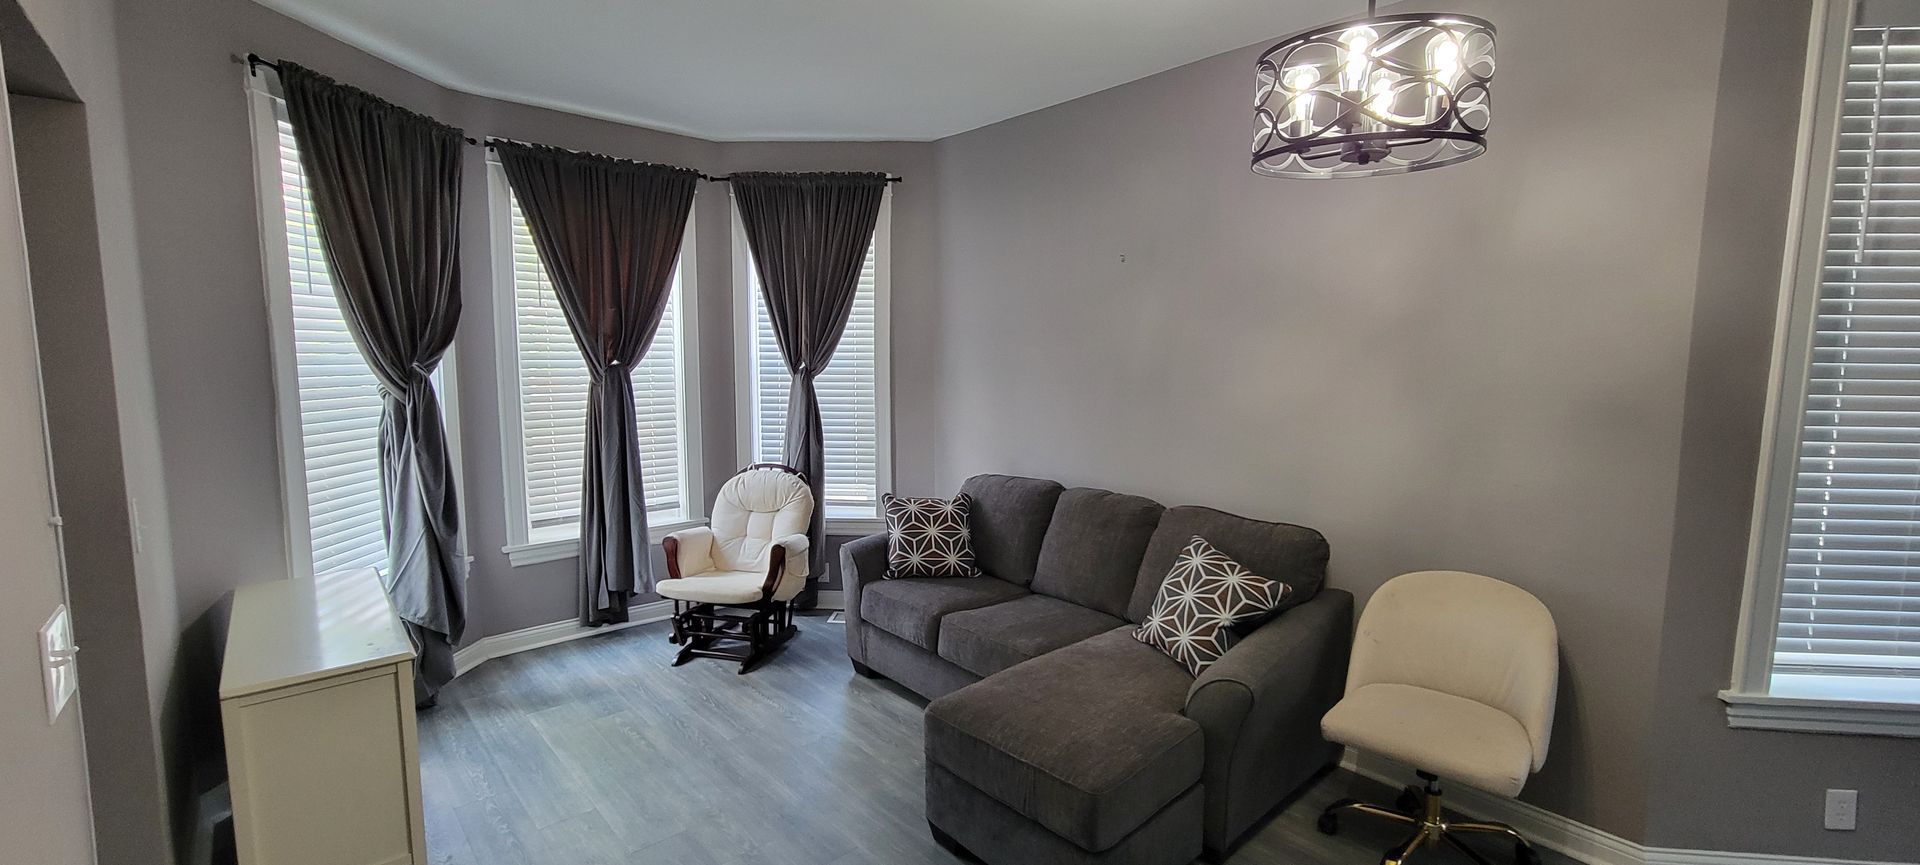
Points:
x=758, y=629
x=1431, y=826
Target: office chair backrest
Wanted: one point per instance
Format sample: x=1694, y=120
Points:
x=1467, y=635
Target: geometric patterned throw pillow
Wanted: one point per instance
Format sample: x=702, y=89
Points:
x=1204, y=597
x=928, y=537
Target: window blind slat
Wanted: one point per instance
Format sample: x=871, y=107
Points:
x=849, y=408
x=1850, y=600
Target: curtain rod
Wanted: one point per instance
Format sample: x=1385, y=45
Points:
x=714, y=178
x=255, y=61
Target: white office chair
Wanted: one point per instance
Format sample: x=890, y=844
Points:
x=731, y=581
x=1455, y=675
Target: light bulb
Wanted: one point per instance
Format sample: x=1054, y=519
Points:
x=1444, y=60
x=1301, y=81
x=1358, y=42
x=1381, y=103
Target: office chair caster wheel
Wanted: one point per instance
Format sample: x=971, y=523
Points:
x=1328, y=824
x=1408, y=801
x=1524, y=854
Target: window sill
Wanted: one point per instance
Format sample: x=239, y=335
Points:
x=1821, y=715
x=541, y=552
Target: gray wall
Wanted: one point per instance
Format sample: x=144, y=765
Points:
x=1479, y=368
x=1747, y=789
x=131, y=725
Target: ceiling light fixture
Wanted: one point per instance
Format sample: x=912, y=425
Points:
x=1385, y=94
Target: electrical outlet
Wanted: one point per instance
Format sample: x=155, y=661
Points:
x=1842, y=807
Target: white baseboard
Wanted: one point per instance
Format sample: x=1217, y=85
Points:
x=501, y=645
x=1571, y=837
x=833, y=600
x=1675, y=856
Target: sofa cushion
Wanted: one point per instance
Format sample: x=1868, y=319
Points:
x=987, y=640
x=928, y=537
x=911, y=608
x=1292, y=554
x=1009, y=519
x=1092, y=552
x=1088, y=740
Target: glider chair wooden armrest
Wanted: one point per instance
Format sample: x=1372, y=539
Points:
x=731, y=581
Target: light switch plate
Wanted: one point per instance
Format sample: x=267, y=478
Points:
x=58, y=665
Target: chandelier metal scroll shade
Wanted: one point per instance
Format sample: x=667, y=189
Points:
x=1385, y=94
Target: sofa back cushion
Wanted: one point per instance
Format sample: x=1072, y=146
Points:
x=1295, y=555
x=1008, y=521
x=1092, y=552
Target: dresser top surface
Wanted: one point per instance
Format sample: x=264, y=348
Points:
x=287, y=632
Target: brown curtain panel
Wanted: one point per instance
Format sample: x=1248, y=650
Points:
x=809, y=235
x=386, y=196
x=608, y=231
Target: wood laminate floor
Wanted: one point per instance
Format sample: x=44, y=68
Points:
x=596, y=751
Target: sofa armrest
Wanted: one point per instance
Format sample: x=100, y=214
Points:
x=689, y=551
x=862, y=562
x=1259, y=707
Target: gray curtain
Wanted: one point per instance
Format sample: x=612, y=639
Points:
x=809, y=235
x=608, y=231
x=386, y=196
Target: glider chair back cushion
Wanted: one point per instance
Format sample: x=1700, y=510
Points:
x=753, y=510
x=1466, y=635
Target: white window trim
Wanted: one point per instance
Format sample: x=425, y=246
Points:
x=882, y=358
x=525, y=547
x=1749, y=701
x=262, y=120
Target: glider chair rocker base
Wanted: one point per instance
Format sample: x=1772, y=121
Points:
x=699, y=627
x=733, y=583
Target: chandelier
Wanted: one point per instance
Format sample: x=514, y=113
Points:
x=1385, y=94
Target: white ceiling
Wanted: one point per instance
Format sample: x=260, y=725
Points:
x=801, y=69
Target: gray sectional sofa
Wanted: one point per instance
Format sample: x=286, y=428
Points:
x=1056, y=737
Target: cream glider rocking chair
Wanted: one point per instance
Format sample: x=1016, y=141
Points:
x=731, y=581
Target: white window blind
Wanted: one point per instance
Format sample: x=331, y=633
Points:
x=1850, y=598
x=553, y=400
x=339, y=397
x=849, y=403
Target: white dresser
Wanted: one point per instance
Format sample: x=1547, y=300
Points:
x=316, y=695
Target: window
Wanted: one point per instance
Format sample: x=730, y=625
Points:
x=853, y=389
x=328, y=400
x=544, y=400
x=1831, y=640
